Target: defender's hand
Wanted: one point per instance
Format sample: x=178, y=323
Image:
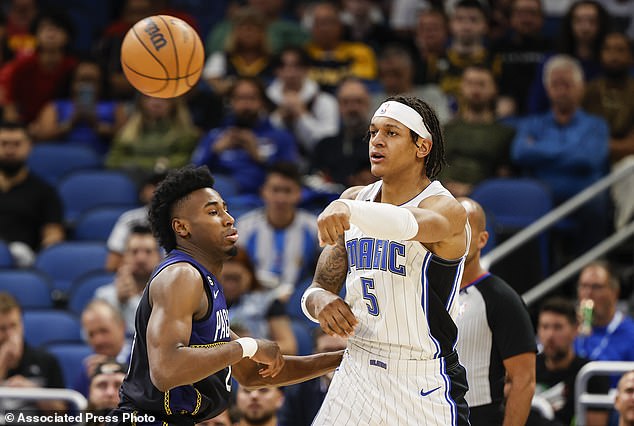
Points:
x=334, y=315
x=333, y=222
x=269, y=354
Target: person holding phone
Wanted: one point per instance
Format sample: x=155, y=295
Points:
x=83, y=119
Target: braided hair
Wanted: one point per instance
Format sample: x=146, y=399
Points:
x=435, y=161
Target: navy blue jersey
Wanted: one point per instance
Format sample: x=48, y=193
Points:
x=188, y=403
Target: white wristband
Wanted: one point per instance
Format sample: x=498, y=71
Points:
x=307, y=293
x=382, y=220
x=249, y=346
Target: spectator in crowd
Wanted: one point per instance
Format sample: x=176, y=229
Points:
x=246, y=53
x=611, y=96
x=468, y=26
x=332, y=58
x=20, y=17
x=22, y=366
x=363, y=22
x=477, y=145
x=247, y=143
x=222, y=419
x=521, y=53
x=496, y=337
x=32, y=81
x=159, y=135
x=566, y=148
x=558, y=363
x=302, y=401
x=141, y=256
x=130, y=219
x=624, y=400
x=30, y=210
x=403, y=13
x=105, y=382
x=103, y=327
x=581, y=35
x=254, y=308
x=280, y=32
x=84, y=119
x=301, y=107
x=343, y=158
x=107, y=48
x=279, y=237
x=258, y=407
x=6, y=54
x=396, y=75
x=431, y=39
x=611, y=333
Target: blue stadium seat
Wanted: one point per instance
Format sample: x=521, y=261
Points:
x=83, y=190
x=67, y=261
x=83, y=289
x=515, y=203
x=32, y=289
x=6, y=258
x=303, y=336
x=226, y=186
x=96, y=224
x=42, y=327
x=52, y=161
x=241, y=204
x=70, y=357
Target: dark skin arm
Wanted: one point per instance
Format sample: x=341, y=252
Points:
x=296, y=369
x=177, y=296
x=441, y=228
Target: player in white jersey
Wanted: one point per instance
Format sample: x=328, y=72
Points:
x=399, y=245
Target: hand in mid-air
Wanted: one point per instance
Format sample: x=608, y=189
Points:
x=333, y=222
x=334, y=315
x=269, y=354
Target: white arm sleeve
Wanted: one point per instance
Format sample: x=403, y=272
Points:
x=382, y=220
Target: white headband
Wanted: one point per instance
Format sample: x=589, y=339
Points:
x=404, y=114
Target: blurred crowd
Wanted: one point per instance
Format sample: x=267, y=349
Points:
x=542, y=89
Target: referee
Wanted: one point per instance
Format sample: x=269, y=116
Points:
x=496, y=338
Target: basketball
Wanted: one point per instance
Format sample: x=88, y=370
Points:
x=162, y=56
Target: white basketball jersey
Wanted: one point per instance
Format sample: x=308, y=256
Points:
x=404, y=297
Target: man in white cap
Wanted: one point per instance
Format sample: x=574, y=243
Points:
x=399, y=245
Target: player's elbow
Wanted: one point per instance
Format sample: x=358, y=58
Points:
x=249, y=379
x=160, y=380
x=164, y=376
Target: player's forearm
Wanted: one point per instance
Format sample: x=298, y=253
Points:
x=296, y=369
x=332, y=267
x=518, y=402
x=187, y=365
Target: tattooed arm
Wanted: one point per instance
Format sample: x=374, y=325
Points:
x=334, y=315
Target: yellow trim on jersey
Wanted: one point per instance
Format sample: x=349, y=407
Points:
x=198, y=402
x=134, y=417
x=166, y=395
x=166, y=403
x=208, y=345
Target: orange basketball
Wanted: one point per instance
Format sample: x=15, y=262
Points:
x=162, y=56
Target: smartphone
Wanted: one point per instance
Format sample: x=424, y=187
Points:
x=85, y=96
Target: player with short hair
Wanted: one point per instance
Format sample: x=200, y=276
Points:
x=399, y=244
x=184, y=351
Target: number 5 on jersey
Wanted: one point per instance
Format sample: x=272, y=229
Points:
x=367, y=284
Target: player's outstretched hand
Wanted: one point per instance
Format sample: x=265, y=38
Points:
x=335, y=316
x=269, y=354
x=333, y=222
